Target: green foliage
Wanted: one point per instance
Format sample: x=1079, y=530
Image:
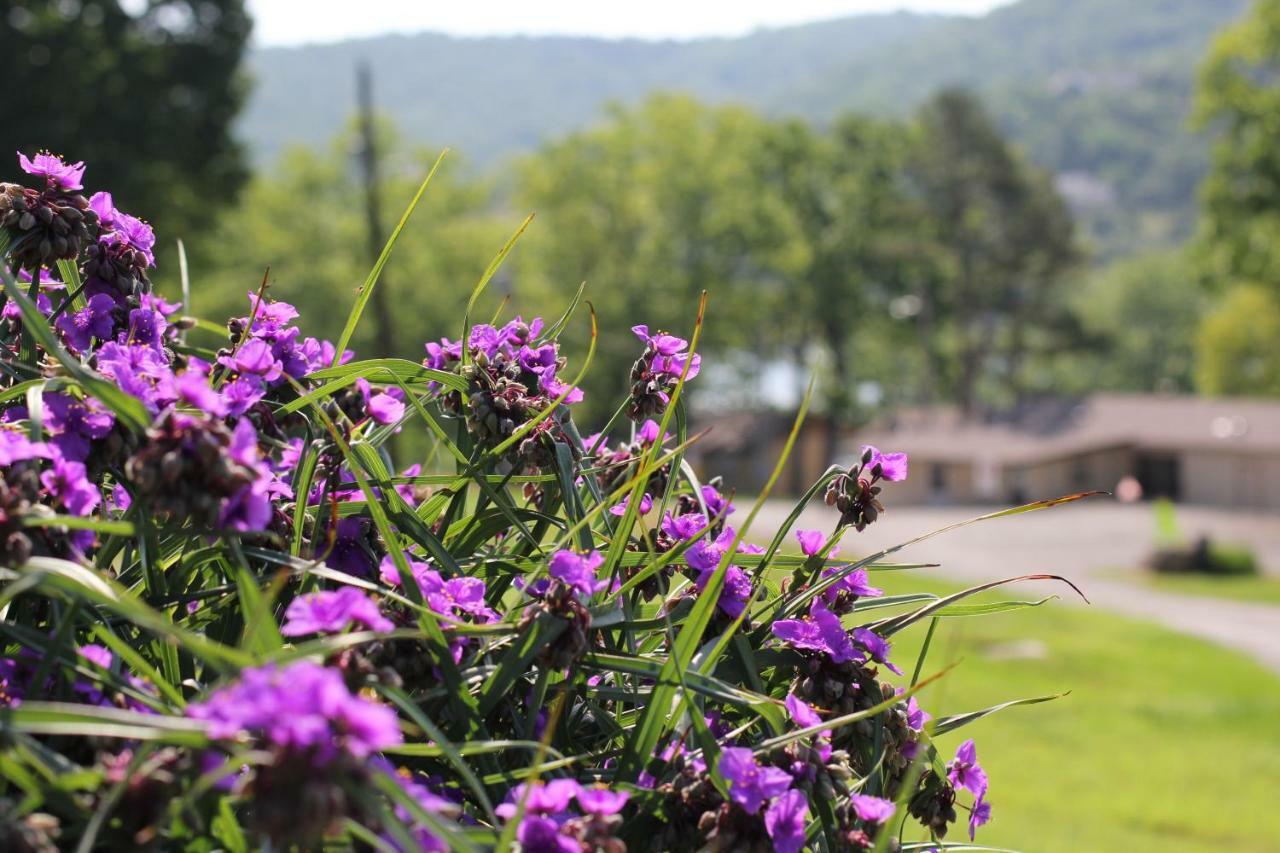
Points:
x=1096, y=87
x=1238, y=97
x=404, y=717
x=146, y=92
x=1140, y=316
x=1236, y=350
x=310, y=206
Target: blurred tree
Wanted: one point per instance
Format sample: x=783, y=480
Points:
x=1003, y=239
x=1238, y=96
x=860, y=230
x=651, y=208
x=144, y=92
x=1141, y=314
x=1236, y=350
x=305, y=219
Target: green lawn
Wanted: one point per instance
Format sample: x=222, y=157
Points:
x=1263, y=590
x=1166, y=743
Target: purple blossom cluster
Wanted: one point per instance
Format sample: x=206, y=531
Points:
x=245, y=506
x=302, y=708
x=562, y=816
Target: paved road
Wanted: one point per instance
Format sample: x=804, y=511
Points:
x=1086, y=543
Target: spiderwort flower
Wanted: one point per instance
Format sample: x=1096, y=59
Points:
x=820, y=632
x=601, y=801
x=979, y=816
x=802, y=713
x=620, y=508
x=886, y=466
x=876, y=646
x=59, y=175
x=302, y=706
x=811, y=542
x=965, y=771
x=871, y=809
x=332, y=613
x=855, y=583
x=16, y=447
x=750, y=785
x=785, y=821
x=578, y=571
x=95, y=320
x=67, y=482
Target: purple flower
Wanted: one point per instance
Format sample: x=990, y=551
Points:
x=706, y=554
x=716, y=503
x=255, y=357
x=58, y=174
x=811, y=541
x=332, y=613
x=385, y=409
x=750, y=785
x=685, y=526
x=876, y=646
x=855, y=583
x=453, y=598
x=965, y=771
x=193, y=388
x=601, y=801
x=821, y=632
x=242, y=394
x=979, y=815
x=648, y=432
x=550, y=798
x=67, y=482
x=146, y=326
x=916, y=716
x=871, y=809
x=16, y=447
x=735, y=593
x=75, y=423
x=802, y=713
x=785, y=821
x=95, y=320
x=888, y=466
x=542, y=835
x=578, y=571
x=620, y=508
x=302, y=706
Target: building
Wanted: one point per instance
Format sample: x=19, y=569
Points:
x=1217, y=451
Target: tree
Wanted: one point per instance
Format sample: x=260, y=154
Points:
x=845, y=192
x=146, y=98
x=1236, y=350
x=651, y=208
x=1141, y=316
x=1003, y=240
x=305, y=219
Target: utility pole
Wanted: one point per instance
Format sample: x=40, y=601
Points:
x=380, y=301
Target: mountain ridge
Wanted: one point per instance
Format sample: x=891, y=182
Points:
x=1090, y=89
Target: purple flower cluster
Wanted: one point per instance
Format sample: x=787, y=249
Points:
x=562, y=816
x=456, y=599
x=856, y=492
x=301, y=708
x=332, y=613
x=658, y=370
x=964, y=772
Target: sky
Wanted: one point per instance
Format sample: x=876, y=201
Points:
x=288, y=22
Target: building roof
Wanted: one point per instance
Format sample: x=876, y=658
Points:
x=1055, y=429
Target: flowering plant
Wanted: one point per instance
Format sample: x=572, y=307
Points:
x=231, y=621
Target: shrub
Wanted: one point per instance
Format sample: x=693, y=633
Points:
x=231, y=621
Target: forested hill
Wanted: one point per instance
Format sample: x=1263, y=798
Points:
x=1096, y=90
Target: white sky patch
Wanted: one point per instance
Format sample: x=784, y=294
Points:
x=291, y=22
